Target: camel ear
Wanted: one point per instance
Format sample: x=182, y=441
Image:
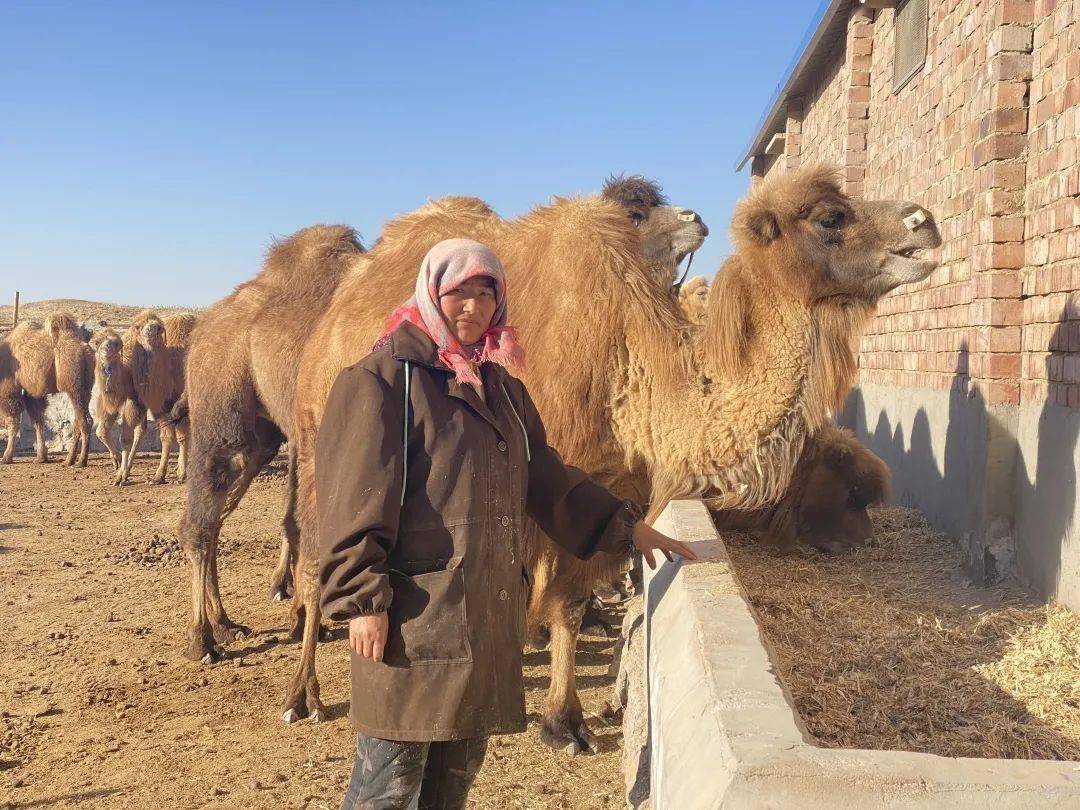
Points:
x=728, y=327
x=871, y=477
x=755, y=222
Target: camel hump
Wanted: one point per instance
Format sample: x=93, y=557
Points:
x=59, y=323
x=311, y=255
x=178, y=328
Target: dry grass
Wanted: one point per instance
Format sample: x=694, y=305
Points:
x=887, y=648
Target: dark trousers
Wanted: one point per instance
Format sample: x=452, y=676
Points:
x=392, y=775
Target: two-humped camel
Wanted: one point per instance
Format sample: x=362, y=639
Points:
x=36, y=362
x=241, y=382
x=629, y=390
x=836, y=480
x=153, y=353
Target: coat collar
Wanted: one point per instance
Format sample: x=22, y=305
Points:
x=409, y=342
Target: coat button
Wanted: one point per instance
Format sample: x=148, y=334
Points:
x=502, y=446
x=503, y=595
x=505, y=520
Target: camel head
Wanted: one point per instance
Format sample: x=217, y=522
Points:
x=108, y=352
x=816, y=242
x=694, y=297
x=843, y=479
x=150, y=330
x=669, y=233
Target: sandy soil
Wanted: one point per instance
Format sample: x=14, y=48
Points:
x=83, y=310
x=99, y=709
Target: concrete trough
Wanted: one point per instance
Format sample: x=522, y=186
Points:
x=723, y=730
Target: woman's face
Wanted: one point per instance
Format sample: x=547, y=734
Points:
x=469, y=308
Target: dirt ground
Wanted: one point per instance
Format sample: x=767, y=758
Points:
x=98, y=708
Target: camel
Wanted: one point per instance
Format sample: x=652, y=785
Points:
x=153, y=357
x=36, y=362
x=650, y=405
x=826, y=503
x=241, y=382
x=114, y=396
x=694, y=298
x=669, y=233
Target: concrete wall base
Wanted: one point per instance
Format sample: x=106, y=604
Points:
x=1001, y=480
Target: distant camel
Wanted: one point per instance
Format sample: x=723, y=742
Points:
x=36, y=362
x=153, y=357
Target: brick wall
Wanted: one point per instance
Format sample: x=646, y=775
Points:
x=985, y=136
x=1051, y=209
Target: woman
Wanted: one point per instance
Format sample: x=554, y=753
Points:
x=430, y=456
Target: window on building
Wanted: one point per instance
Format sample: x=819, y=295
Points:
x=909, y=49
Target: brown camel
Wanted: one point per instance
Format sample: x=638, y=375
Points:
x=826, y=504
x=694, y=298
x=36, y=362
x=629, y=390
x=153, y=357
x=669, y=233
x=242, y=370
x=114, y=397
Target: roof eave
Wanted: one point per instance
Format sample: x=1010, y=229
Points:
x=777, y=108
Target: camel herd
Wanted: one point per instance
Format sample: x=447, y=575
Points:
x=110, y=379
x=660, y=389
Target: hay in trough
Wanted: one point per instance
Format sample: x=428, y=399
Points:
x=888, y=648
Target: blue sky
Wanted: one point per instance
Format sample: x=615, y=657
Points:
x=149, y=152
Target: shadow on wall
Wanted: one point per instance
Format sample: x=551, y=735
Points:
x=965, y=467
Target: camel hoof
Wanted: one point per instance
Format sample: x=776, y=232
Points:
x=316, y=716
x=278, y=593
x=6, y=460
x=290, y=716
x=569, y=736
x=207, y=659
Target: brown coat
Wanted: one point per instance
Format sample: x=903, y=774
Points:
x=447, y=563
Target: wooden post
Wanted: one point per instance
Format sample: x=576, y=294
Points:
x=15, y=314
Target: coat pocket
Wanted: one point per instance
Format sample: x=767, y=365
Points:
x=427, y=617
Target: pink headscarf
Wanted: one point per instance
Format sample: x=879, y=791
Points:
x=446, y=267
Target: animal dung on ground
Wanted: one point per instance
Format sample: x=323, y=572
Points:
x=886, y=648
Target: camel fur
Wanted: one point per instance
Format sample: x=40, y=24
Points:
x=827, y=501
x=114, y=398
x=38, y=361
x=242, y=379
x=629, y=390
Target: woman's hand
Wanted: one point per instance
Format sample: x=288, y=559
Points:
x=367, y=635
x=647, y=539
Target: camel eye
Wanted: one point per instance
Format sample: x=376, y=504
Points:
x=637, y=217
x=834, y=220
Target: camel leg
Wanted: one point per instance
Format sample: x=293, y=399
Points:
x=166, y=432
x=80, y=438
x=84, y=449
x=131, y=437
x=35, y=409
x=216, y=482
x=282, y=581
x=564, y=725
x=224, y=629
x=181, y=454
x=209, y=481
x=105, y=433
x=11, y=423
x=302, y=698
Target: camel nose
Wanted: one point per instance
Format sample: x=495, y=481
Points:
x=690, y=215
x=914, y=216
